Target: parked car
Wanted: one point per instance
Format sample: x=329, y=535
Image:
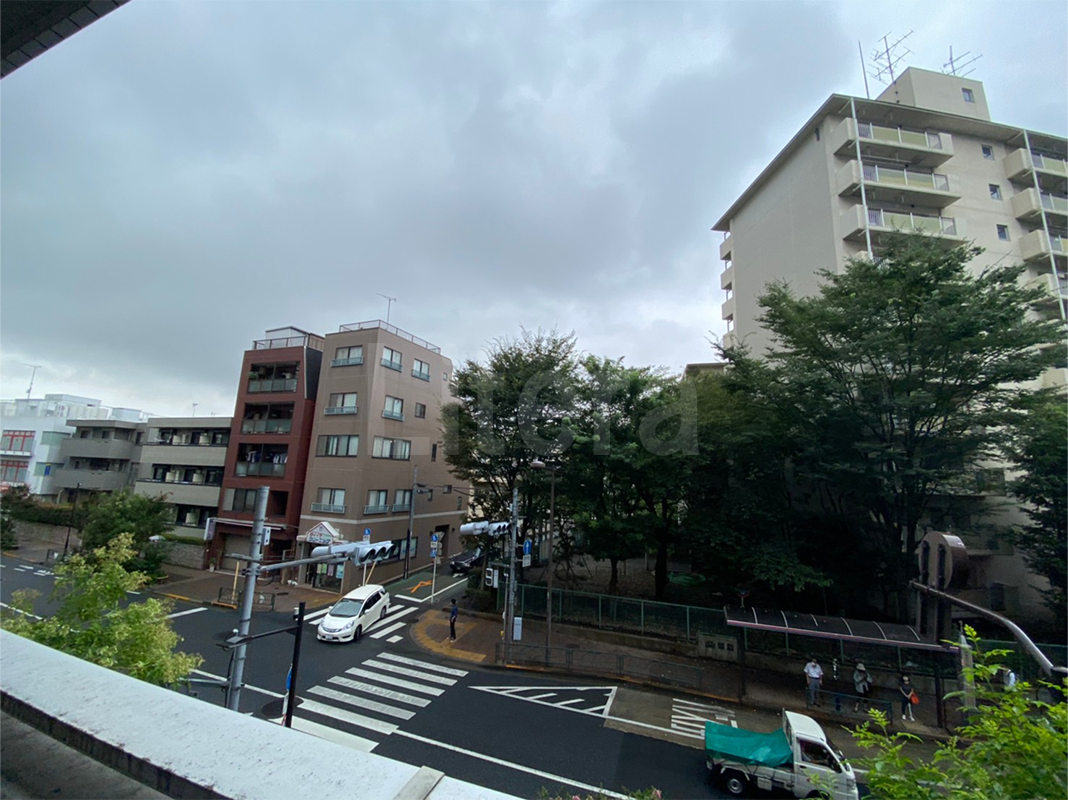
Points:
x=353, y=614
x=466, y=561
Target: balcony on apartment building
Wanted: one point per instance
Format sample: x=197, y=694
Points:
x=726, y=249
x=1055, y=284
x=728, y=308
x=916, y=147
x=1052, y=172
x=264, y=378
x=1030, y=205
x=112, y=478
x=1037, y=246
x=110, y=448
x=898, y=185
x=265, y=461
x=193, y=494
x=268, y=418
x=853, y=223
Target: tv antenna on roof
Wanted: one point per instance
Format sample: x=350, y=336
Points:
x=886, y=58
x=32, y=376
x=955, y=66
x=389, y=304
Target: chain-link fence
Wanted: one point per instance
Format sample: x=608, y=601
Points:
x=261, y=601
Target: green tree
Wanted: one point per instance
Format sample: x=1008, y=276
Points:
x=125, y=512
x=897, y=374
x=8, y=528
x=1012, y=746
x=91, y=623
x=1039, y=451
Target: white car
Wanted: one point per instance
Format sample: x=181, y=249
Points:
x=353, y=614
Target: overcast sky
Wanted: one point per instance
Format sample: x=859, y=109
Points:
x=182, y=176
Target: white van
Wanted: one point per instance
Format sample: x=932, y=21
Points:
x=353, y=614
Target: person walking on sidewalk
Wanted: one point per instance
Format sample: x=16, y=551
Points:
x=861, y=684
x=454, y=612
x=907, y=692
x=814, y=676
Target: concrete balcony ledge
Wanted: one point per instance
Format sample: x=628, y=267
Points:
x=186, y=747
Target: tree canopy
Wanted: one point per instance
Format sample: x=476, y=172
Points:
x=125, y=512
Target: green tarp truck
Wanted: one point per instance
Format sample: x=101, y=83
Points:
x=797, y=758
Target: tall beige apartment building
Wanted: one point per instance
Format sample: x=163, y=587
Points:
x=378, y=423
x=922, y=156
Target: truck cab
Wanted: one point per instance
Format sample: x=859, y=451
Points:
x=818, y=767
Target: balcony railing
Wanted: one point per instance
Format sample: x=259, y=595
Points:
x=402, y=506
x=278, y=385
x=266, y=426
x=261, y=468
x=393, y=414
x=1055, y=203
x=376, y=509
x=1058, y=244
x=312, y=341
x=328, y=508
x=906, y=177
x=334, y=410
x=423, y=376
x=347, y=362
x=1050, y=164
x=377, y=323
x=882, y=133
x=397, y=365
x=912, y=222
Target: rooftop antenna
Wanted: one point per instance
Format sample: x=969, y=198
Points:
x=195, y=408
x=32, y=376
x=955, y=66
x=389, y=304
x=886, y=58
x=863, y=71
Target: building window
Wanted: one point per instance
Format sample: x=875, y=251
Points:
x=337, y=445
x=434, y=452
x=348, y=356
x=1003, y=232
x=241, y=500
x=402, y=499
x=421, y=370
x=17, y=441
x=394, y=408
x=377, y=502
x=13, y=471
x=330, y=501
x=341, y=403
x=988, y=152
x=420, y=410
x=969, y=95
x=995, y=191
x=392, y=359
x=399, y=449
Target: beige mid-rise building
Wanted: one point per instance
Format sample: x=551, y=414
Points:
x=377, y=432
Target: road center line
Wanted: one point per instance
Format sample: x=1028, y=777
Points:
x=596, y=790
x=246, y=686
x=183, y=613
x=19, y=611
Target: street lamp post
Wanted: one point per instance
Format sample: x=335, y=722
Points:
x=70, y=519
x=549, y=581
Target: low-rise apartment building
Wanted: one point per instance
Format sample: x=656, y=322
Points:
x=102, y=456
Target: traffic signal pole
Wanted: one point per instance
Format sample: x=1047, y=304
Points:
x=255, y=552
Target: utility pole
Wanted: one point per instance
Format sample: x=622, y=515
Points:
x=510, y=632
x=549, y=583
x=255, y=553
x=411, y=520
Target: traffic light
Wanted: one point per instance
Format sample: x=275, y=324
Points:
x=359, y=552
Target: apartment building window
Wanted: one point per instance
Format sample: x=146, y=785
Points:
x=394, y=408
x=420, y=410
x=377, y=502
x=240, y=500
x=348, y=356
x=337, y=446
x=421, y=370
x=330, y=501
x=988, y=152
x=220, y=438
x=17, y=441
x=392, y=359
x=434, y=452
x=189, y=516
x=995, y=191
x=399, y=449
x=1003, y=232
x=341, y=403
x=13, y=471
x=969, y=95
x=402, y=499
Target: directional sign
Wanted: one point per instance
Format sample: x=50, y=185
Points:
x=433, y=537
x=367, y=535
x=526, y=560
x=527, y=547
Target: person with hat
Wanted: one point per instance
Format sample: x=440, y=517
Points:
x=814, y=675
x=862, y=684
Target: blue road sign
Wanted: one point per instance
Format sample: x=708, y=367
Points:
x=433, y=537
x=367, y=534
x=289, y=678
x=527, y=546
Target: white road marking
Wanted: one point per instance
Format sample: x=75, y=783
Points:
x=459, y=673
x=386, y=631
x=359, y=686
x=596, y=790
x=183, y=613
x=436, y=593
x=537, y=697
x=315, y=707
x=42, y=572
x=391, y=681
x=551, y=691
x=360, y=702
x=394, y=639
x=333, y=735
x=411, y=673
x=315, y=615
x=17, y=611
x=246, y=686
x=687, y=715
x=570, y=702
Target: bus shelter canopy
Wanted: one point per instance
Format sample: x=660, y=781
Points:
x=837, y=628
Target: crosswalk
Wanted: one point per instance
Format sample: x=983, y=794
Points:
x=388, y=626
x=40, y=571
x=688, y=717
x=369, y=702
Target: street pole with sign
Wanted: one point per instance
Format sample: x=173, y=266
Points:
x=434, y=568
x=255, y=553
x=411, y=520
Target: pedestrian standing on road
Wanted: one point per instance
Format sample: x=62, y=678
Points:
x=907, y=692
x=454, y=612
x=861, y=684
x=814, y=677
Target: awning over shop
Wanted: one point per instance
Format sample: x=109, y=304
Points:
x=838, y=628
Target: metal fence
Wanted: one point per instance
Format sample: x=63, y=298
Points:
x=600, y=662
x=261, y=601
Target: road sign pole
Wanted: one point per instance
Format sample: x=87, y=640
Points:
x=255, y=552
x=292, y=688
x=510, y=617
x=411, y=520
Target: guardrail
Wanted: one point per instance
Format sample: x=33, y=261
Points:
x=599, y=662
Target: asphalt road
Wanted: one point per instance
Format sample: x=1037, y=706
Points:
x=517, y=732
